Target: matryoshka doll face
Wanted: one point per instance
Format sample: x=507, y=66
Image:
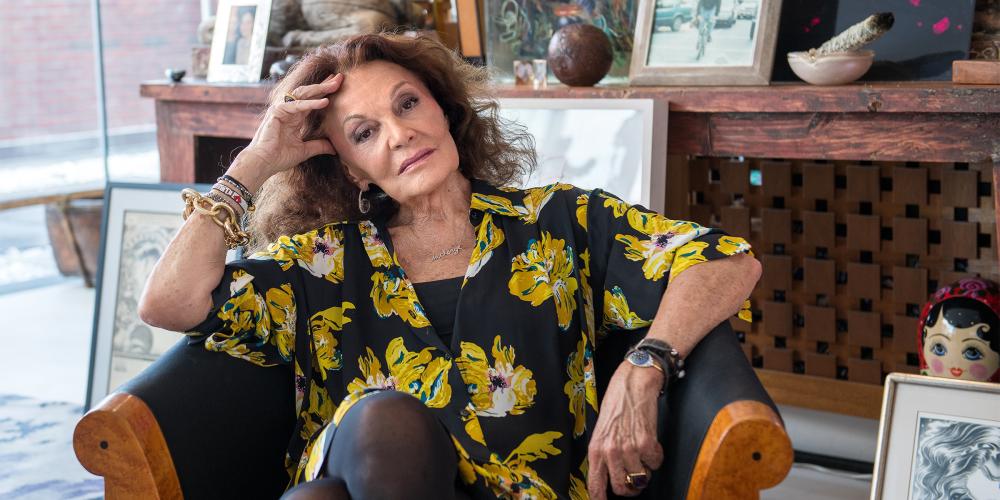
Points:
x=956, y=344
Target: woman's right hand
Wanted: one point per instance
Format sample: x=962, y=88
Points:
x=277, y=145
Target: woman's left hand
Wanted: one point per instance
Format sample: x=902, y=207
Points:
x=624, y=439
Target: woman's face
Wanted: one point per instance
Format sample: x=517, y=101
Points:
x=390, y=131
x=246, y=25
x=959, y=352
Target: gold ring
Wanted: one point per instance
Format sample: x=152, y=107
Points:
x=637, y=480
x=289, y=97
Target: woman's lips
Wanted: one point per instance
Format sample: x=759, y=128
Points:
x=957, y=371
x=416, y=159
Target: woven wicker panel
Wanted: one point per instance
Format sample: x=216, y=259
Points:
x=850, y=250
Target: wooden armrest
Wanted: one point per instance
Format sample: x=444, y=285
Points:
x=121, y=441
x=746, y=450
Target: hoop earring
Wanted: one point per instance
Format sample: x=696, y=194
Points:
x=363, y=204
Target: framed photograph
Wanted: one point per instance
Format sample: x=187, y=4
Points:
x=704, y=42
x=522, y=29
x=469, y=38
x=618, y=145
x=239, y=40
x=938, y=438
x=139, y=222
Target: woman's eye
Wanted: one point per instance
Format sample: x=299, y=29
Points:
x=409, y=103
x=363, y=135
x=939, y=349
x=972, y=354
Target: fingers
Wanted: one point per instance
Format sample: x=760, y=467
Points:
x=616, y=474
x=652, y=455
x=597, y=476
x=286, y=109
x=322, y=89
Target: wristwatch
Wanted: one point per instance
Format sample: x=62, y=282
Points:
x=643, y=359
x=673, y=365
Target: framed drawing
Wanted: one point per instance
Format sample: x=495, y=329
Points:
x=938, y=438
x=239, y=40
x=704, y=42
x=614, y=144
x=139, y=222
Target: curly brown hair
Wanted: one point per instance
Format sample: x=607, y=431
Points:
x=317, y=191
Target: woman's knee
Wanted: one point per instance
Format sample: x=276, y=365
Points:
x=387, y=410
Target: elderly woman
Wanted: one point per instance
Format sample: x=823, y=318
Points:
x=442, y=335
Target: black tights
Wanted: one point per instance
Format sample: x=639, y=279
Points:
x=388, y=446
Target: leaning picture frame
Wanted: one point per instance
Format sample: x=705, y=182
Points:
x=139, y=222
x=618, y=145
x=239, y=41
x=937, y=436
x=678, y=42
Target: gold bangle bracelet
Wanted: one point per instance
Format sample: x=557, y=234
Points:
x=195, y=202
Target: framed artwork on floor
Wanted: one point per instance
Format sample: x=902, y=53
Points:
x=239, y=40
x=704, y=42
x=938, y=438
x=618, y=145
x=139, y=222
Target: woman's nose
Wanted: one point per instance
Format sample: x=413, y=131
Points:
x=400, y=135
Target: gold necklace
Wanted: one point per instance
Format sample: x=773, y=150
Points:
x=448, y=252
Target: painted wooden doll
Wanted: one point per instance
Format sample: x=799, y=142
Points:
x=958, y=333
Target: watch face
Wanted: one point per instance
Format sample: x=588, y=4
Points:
x=640, y=358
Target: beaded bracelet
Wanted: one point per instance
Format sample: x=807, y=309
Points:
x=238, y=185
x=218, y=196
x=233, y=195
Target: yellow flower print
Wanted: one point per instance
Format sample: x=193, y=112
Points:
x=588, y=295
x=500, y=389
x=664, y=236
x=581, y=210
x=731, y=245
x=245, y=318
x=281, y=307
x=322, y=325
x=513, y=478
x=319, y=412
x=374, y=246
x=488, y=238
x=581, y=386
x=577, y=486
x=497, y=204
x=534, y=200
x=416, y=372
x=617, y=313
x=393, y=294
x=472, y=427
x=321, y=252
x=546, y=270
x=745, y=313
x=687, y=256
x=617, y=206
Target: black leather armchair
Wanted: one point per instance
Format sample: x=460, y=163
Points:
x=159, y=435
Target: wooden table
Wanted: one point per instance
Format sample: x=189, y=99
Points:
x=197, y=123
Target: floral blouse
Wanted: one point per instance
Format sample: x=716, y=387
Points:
x=554, y=270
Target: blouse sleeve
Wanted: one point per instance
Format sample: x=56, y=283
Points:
x=633, y=253
x=253, y=313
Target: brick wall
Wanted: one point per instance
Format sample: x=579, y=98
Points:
x=47, y=85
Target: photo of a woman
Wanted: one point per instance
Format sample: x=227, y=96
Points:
x=238, y=36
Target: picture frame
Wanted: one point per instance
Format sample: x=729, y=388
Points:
x=522, y=30
x=671, y=47
x=931, y=420
x=618, y=145
x=239, y=41
x=139, y=222
x=470, y=39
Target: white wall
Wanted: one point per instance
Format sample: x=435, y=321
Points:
x=831, y=434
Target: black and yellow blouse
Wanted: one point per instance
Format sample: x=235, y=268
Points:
x=554, y=270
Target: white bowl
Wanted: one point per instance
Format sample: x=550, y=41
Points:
x=831, y=69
